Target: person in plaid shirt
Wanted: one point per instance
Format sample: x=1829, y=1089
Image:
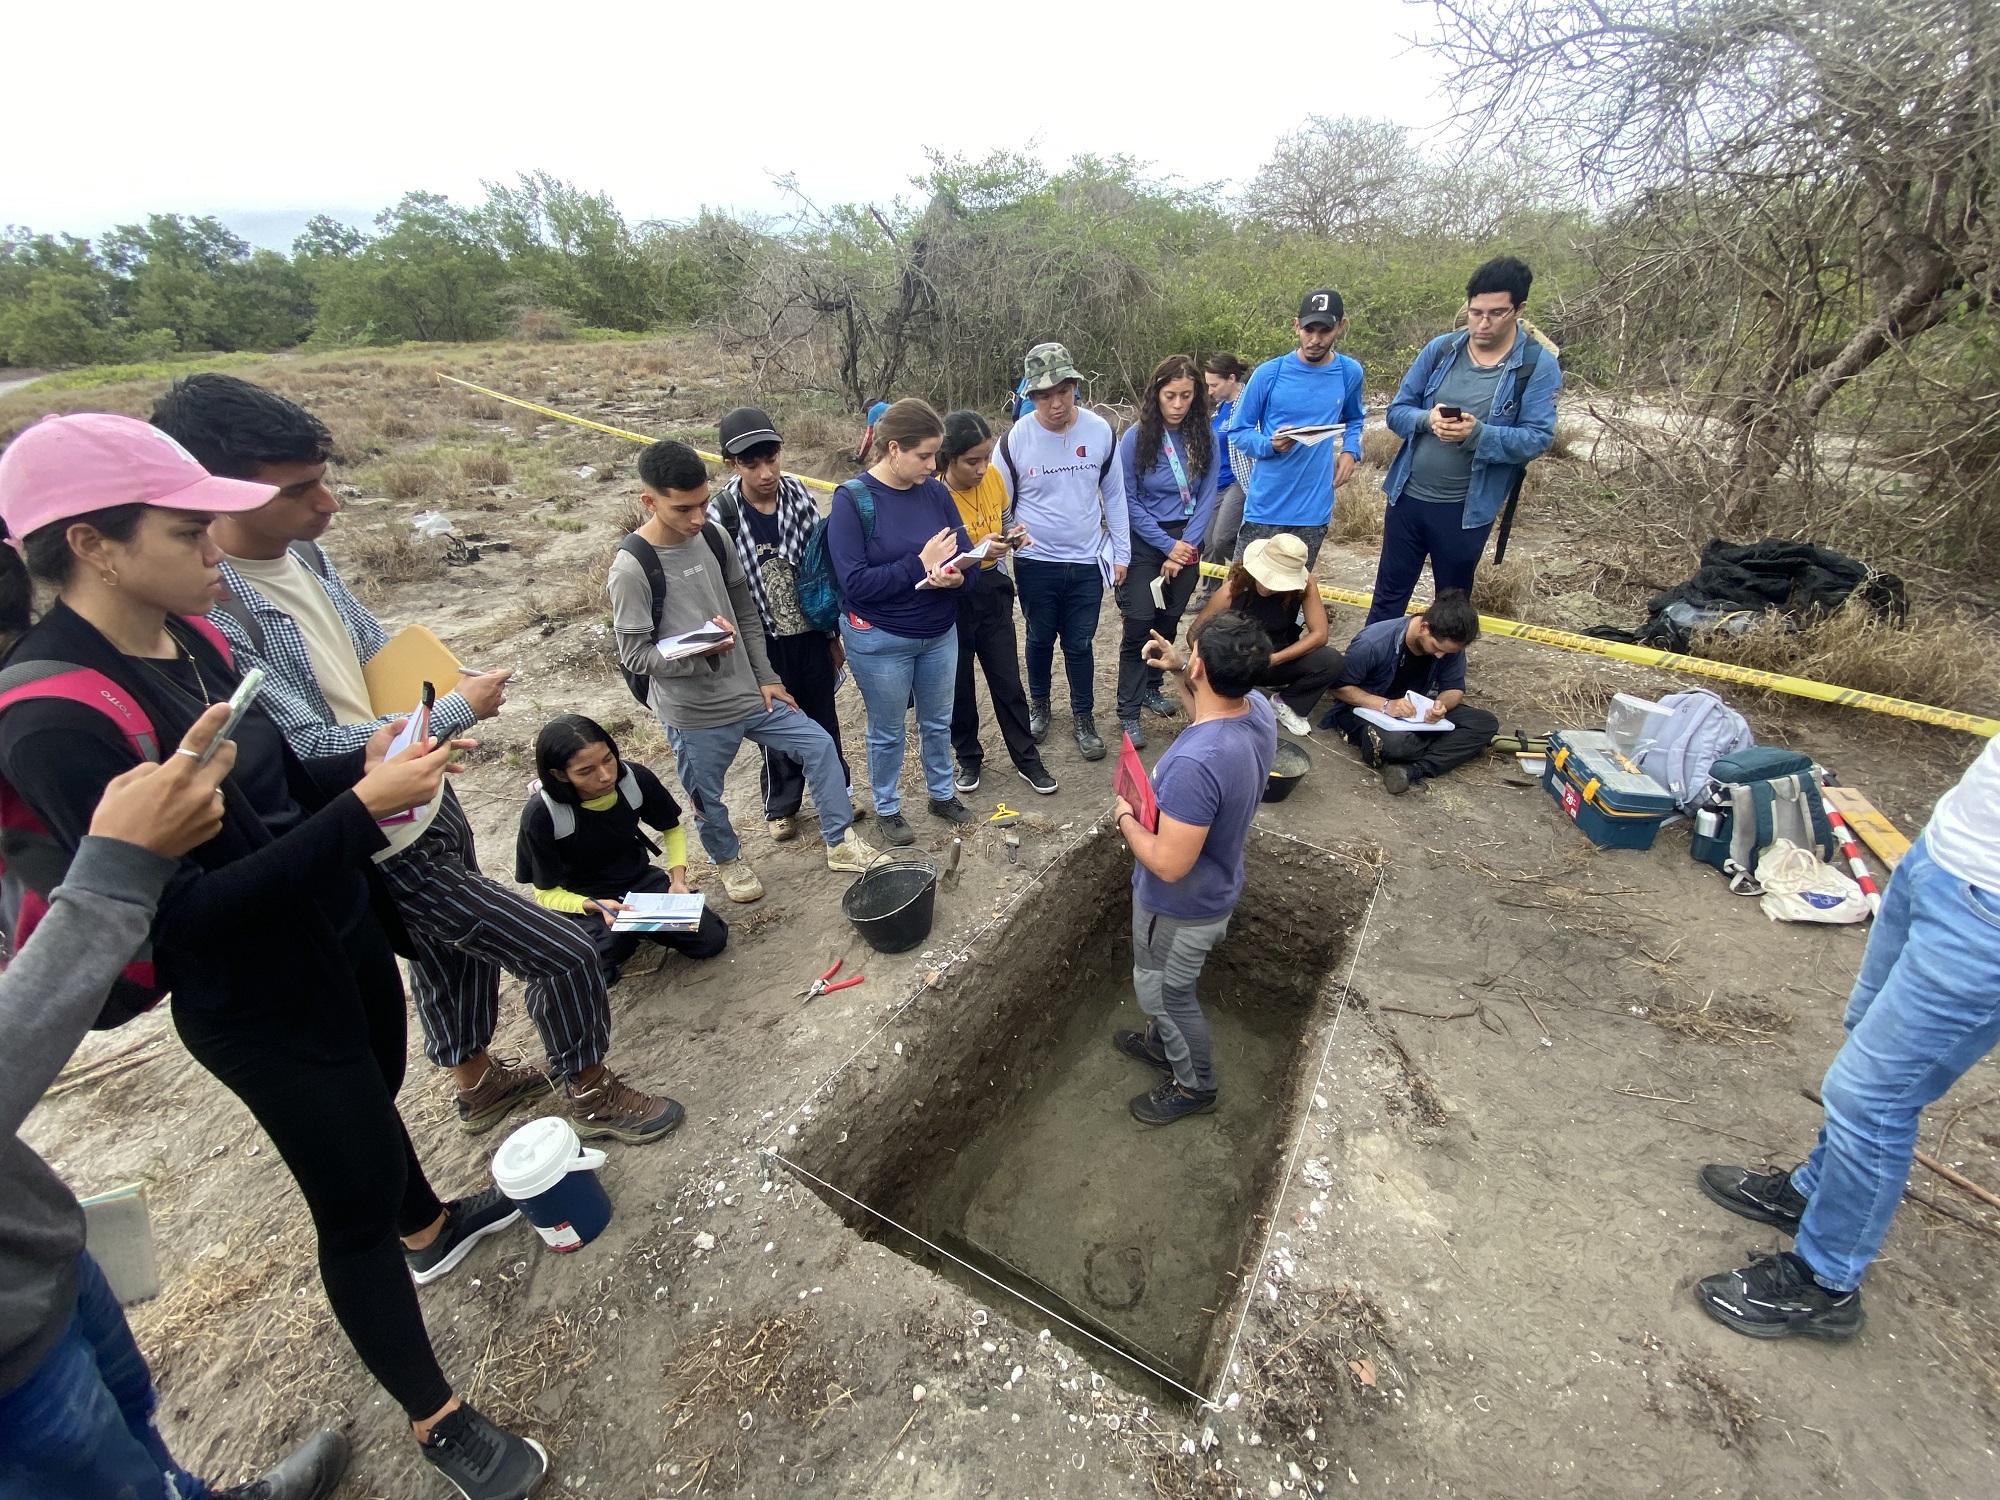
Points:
x=288, y=612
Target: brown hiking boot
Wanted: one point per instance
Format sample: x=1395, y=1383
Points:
x=505, y=1084
x=609, y=1108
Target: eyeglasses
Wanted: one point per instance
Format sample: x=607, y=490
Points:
x=1489, y=314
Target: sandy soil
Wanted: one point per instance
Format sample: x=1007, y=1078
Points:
x=1476, y=1278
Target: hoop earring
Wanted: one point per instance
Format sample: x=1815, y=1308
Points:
x=108, y=577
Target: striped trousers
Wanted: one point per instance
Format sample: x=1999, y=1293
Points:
x=467, y=928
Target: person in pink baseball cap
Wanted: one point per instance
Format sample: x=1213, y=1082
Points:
x=284, y=983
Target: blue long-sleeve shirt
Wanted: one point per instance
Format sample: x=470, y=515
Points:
x=1153, y=500
x=1225, y=474
x=1295, y=488
x=879, y=578
x=1375, y=653
x=1512, y=434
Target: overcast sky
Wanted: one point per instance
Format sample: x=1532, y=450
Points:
x=265, y=113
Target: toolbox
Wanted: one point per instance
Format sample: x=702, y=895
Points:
x=1617, y=805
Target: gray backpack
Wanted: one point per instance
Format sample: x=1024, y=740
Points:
x=562, y=815
x=1699, y=730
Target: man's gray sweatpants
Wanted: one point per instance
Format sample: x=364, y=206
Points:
x=1167, y=955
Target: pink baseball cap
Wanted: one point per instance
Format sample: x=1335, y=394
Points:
x=71, y=465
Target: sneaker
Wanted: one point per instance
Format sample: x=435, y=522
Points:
x=482, y=1461
x=1290, y=722
x=1160, y=705
x=1131, y=727
x=896, y=830
x=951, y=810
x=308, y=1472
x=1089, y=743
x=1170, y=1102
x=1396, y=779
x=739, y=881
x=1038, y=777
x=967, y=779
x=1136, y=1045
x=850, y=856
x=467, y=1221
x=1038, y=719
x=783, y=830
x=1762, y=1197
x=504, y=1084
x=615, y=1110
x=1775, y=1296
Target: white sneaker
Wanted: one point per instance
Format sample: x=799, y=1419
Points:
x=739, y=881
x=783, y=830
x=1290, y=722
x=850, y=856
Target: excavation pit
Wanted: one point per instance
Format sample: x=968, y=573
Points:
x=1001, y=1134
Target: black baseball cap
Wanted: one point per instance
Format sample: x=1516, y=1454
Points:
x=744, y=428
x=1322, y=306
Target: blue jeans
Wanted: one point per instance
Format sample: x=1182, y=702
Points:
x=889, y=670
x=1412, y=530
x=81, y=1426
x=702, y=757
x=1926, y=1006
x=1060, y=601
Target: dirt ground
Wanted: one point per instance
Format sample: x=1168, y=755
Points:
x=1476, y=1279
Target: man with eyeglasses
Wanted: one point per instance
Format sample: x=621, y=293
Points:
x=1475, y=408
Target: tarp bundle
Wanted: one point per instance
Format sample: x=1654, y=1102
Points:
x=1735, y=587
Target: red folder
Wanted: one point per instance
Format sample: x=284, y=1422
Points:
x=1131, y=783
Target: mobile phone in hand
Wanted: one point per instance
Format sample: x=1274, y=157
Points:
x=1452, y=413
x=239, y=705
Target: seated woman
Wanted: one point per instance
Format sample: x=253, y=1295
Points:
x=581, y=847
x=1273, y=585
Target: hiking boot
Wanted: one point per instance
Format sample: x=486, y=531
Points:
x=951, y=810
x=1139, y=1046
x=1038, y=719
x=1775, y=1297
x=967, y=779
x=1160, y=705
x=1089, y=743
x=1396, y=779
x=504, y=1084
x=609, y=1108
x=467, y=1221
x=1762, y=1197
x=1131, y=728
x=482, y=1461
x=1038, y=777
x=850, y=856
x=308, y=1472
x=1170, y=1102
x=739, y=881
x=896, y=830
x=783, y=830
x=1289, y=721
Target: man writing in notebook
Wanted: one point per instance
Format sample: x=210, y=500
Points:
x=1391, y=659
x=1189, y=869
x=292, y=616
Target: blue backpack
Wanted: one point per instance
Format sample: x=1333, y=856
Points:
x=818, y=589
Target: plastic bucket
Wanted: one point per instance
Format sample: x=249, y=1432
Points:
x=891, y=905
x=546, y=1170
x=1288, y=769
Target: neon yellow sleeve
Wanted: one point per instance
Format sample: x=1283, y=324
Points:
x=674, y=845
x=555, y=898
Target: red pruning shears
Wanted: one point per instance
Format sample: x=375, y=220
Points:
x=821, y=986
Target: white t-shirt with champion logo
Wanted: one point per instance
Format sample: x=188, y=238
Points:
x=1964, y=830
x=1059, y=495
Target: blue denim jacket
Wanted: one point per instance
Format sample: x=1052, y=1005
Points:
x=1502, y=446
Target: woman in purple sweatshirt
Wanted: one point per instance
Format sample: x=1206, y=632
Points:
x=892, y=537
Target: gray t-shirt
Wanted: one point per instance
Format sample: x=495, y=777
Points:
x=695, y=692
x=1441, y=472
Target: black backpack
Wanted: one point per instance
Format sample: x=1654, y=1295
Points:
x=641, y=551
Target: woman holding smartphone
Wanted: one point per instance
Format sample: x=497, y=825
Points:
x=284, y=984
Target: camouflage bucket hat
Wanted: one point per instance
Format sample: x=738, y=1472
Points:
x=1048, y=366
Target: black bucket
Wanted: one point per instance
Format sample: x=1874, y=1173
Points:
x=1288, y=769
x=891, y=905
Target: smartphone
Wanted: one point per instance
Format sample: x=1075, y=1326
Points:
x=239, y=705
x=1456, y=414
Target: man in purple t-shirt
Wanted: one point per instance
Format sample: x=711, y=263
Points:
x=1189, y=870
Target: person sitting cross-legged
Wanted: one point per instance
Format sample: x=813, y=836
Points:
x=1389, y=660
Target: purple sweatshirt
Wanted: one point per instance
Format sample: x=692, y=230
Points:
x=878, y=580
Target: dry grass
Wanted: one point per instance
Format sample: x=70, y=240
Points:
x=383, y=555
x=572, y=593
x=1503, y=589
x=1744, y=1021
x=1928, y=661
x=1379, y=446
x=723, y=1383
x=1572, y=441
x=408, y=481
x=1574, y=698
x=485, y=468
x=1358, y=509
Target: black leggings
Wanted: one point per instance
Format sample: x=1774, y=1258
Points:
x=320, y=1075
x=614, y=948
x=1304, y=680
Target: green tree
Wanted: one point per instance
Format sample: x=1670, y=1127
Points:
x=195, y=281
x=570, y=249
x=432, y=274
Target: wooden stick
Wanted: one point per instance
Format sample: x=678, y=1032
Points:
x=1931, y=1163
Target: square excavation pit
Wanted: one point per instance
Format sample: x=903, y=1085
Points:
x=1001, y=1134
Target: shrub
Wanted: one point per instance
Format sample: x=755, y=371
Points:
x=485, y=468
x=408, y=481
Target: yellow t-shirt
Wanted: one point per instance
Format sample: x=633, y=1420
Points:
x=982, y=508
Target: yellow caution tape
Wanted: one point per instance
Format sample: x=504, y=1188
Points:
x=1542, y=635
x=617, y=432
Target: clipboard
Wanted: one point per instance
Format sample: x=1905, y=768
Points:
x=397, y=673
x=1131, y=782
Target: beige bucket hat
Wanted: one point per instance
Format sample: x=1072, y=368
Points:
x=1279, y=563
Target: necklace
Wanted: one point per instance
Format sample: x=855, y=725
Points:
x=181, y=653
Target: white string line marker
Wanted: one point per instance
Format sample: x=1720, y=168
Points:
x=1298, y=1144
x=791, y=1166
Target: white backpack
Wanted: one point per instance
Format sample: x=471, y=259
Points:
x=1697, y=730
